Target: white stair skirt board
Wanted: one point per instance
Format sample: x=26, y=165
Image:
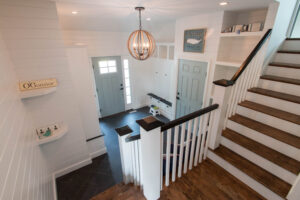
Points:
x=270, y=142
x=283, y=72
x=279, y=86
x=291, y=45
x=261, y=189
x=275, y=122
x=287, y=58
x=271, y=167
x=274, y=102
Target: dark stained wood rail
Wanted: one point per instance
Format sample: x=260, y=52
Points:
x=188, y=117
x=226, y=83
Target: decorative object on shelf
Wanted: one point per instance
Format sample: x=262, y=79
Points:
x=194, y=40
x=141, y=43
x=255, y=27
x=51, y=133
x=37, y=84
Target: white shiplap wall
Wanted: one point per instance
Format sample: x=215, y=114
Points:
x=23, y=169
x=31, y=31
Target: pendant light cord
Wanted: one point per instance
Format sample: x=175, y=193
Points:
x=140, y=18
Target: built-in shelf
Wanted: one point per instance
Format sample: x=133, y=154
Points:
x=242, y=34
x=56, y=134
x=229, y=64
x=35, y=93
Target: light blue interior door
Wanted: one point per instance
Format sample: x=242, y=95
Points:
x=109, y=83
x=190, y=86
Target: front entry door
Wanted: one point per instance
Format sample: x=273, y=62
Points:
x=190, y=86
x=109, y=83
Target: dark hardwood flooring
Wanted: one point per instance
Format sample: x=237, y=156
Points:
x=105, y=171
x=207, y=181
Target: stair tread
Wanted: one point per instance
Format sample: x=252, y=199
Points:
x=272, y=111
x=287, y=65
x=276, y=157
x=267, y=130
x=292, y=38
x=289, y=51
x=262, y=176
x=274, y=94
x=281, y=79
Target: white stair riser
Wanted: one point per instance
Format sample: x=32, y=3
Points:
x=279, y=86
x=283, y=72
x=287, y=58
x=275, y=122
x=270, y=142
x=259, y=188
x=291, y=45
x=274, y=102
x=274, y=169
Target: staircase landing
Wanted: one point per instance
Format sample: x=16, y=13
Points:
x=206, y=181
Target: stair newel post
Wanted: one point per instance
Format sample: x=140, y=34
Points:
x=221, y=96
x=125, y=154
x=151, y=152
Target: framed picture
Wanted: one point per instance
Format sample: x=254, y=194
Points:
x=194, y=40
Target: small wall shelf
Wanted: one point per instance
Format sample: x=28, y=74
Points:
x=57, y=134
x=229, y=64
x=243, y=34
x=35, y=93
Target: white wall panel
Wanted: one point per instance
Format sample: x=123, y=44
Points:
x=31, y=32
x=24, y=173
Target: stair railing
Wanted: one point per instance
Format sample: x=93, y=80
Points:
x=164, y=150
x=229, y=93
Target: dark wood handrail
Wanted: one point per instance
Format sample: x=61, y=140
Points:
x=188, y=117
x=226, y=83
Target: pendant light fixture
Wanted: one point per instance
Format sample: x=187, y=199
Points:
x=140, y=43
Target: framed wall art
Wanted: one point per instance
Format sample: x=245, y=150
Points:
x=194, y=40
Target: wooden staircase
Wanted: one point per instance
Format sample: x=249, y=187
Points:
x=261, y=142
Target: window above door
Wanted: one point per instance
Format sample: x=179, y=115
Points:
x=107, y=66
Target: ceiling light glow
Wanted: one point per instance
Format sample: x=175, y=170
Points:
x=224, y=3
x=74, y=12
x=148, y=19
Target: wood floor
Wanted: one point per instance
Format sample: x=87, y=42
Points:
x=207, y=181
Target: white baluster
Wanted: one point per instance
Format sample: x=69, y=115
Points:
x=167, y=174
x=187, y=146
x=161, y=159
x=196, y=122
x=175, y=153
x=203, y=133
x=198, y=140
x=182, y=135
x=211, y=119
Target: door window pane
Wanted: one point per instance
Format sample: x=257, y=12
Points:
x=107, y=66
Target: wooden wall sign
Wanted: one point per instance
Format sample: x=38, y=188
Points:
x=37, y=84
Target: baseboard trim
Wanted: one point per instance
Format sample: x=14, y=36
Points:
x=54, y=187
x=98, y=153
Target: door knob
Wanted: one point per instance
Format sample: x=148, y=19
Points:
x=121, y=88
x=178, y=98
